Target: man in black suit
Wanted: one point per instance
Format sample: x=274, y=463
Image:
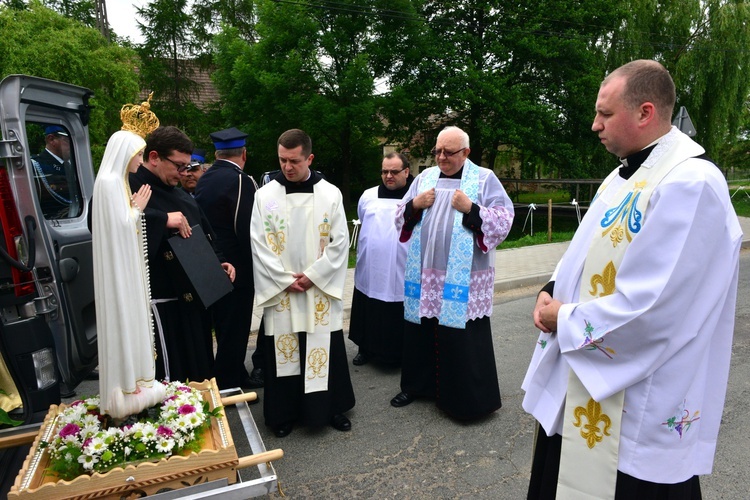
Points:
x=58, y=190
x=226, y=194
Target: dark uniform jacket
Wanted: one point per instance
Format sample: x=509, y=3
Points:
x=226, y=195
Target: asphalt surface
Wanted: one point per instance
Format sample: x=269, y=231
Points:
x=419, y=452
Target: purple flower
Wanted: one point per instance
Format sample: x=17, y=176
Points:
x=164, y=431
x=69, y=430
x=186, y=409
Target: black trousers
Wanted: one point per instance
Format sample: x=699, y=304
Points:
x=232, y=315
x=546, y=466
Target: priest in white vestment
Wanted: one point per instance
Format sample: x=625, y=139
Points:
x=127, y=382
x=453, y=216
x=629, y=373
x=377, y=319
x=300, y=244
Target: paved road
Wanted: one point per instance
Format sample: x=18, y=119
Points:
x=418, y=452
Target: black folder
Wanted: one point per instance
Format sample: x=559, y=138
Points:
x=196, y=269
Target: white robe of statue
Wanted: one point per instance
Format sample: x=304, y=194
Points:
x=123, y=314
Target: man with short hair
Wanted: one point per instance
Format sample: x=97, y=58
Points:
x=195, y=172
x=226, y=193
x=629, y=373
x=453, y=216
x=184, y=344
x=377, y=317
x=300, y=244
x=58, y=192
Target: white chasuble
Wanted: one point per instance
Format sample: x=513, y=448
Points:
x=121, y=289
x=300, y=233
x=658, y=325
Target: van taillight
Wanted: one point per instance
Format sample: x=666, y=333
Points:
x=12, y=234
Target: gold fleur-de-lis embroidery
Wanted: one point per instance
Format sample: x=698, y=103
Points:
x=317, y=363
x=322, y=309
x=287, y=348
x=591, y=431
x=606, y=280
x=284, y=304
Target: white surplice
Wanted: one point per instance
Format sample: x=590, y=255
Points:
x=123, y=314
x=381, y=257
x=664, y=336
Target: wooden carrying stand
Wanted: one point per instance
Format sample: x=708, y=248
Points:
x=212, y=471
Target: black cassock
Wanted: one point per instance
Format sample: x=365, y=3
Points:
x=186, y=325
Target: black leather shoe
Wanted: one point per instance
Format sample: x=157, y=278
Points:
x=255, y=380
x=360, y=359
x=283, y=430
x=402, y=399
x=341, y=423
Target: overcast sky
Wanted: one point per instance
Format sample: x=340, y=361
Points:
x=121, y=17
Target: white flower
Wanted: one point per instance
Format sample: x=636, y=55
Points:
x=88, y=461
x=127, y=451
x=149, y=432
x=96, y=445
x=165, y=445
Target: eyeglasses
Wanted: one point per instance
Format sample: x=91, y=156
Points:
x=394, y=173
x=448, y=154
x=180, y=167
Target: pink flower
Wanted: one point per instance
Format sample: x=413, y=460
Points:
x=186, y=409
x=164, y=431
x=69, y=430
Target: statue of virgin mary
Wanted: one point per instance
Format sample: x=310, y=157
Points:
x=124, y=322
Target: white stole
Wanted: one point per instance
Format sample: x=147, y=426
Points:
x=591, y=429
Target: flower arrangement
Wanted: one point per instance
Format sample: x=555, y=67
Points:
x=88, y=441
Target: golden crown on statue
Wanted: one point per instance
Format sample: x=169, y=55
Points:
x=138, y=118
x=325, y=228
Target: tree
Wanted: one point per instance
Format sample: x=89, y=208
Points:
x=704, y=44
x=167, y=54
x=515, y=77
x=313, y=67
x=39, y=42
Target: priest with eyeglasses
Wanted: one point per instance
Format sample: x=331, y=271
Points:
x=453, y=216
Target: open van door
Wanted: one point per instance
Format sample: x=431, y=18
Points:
x=47, y=178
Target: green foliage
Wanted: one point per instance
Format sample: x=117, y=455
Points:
x=704, y=44
x=312, y=68
x=40, y=42
x=510, y=75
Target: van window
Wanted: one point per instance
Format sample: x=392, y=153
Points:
x=55, y=172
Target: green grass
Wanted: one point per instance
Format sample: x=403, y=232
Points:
x=741, y=201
